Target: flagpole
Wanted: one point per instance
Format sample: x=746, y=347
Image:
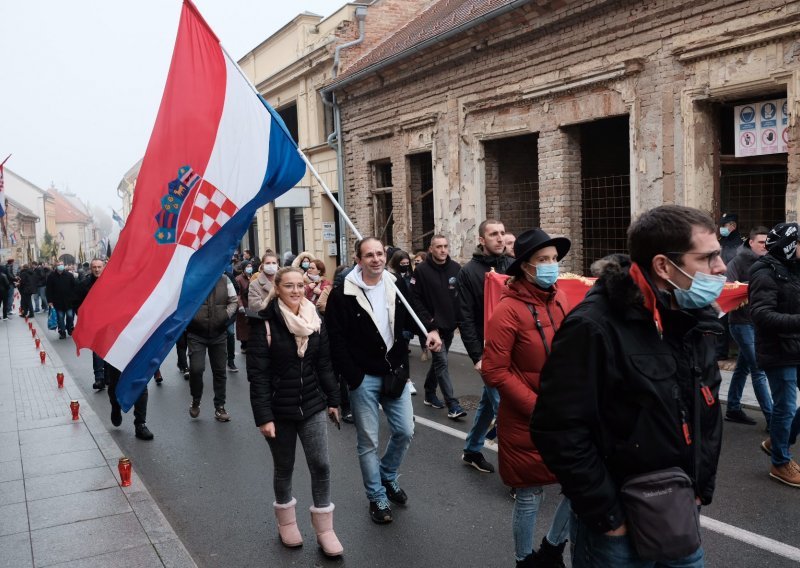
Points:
x=333, y=199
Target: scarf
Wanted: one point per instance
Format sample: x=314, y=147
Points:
x=301, y=325
x=650, y=300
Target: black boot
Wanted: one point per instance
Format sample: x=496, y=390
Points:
x=550, y=555
x=530, y=561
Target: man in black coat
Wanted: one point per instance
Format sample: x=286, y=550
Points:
x=41, y=273
x=730, y=239
x=62, y=288
x=743, y=333
x=774, y=294
x=84, y=286
x=490, y=254
x=631, y=384
x=5, y=286
x=433, y=287
x=366, y=320
x=27, y=287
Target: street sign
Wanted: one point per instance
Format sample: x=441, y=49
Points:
x=328, y=231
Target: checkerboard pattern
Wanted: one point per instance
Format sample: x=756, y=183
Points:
x=210, y=211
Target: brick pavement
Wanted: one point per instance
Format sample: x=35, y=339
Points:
x=60, y=499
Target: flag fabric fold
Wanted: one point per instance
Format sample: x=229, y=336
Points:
x=217, y=153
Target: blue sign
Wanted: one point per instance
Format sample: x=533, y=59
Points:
x=747, y=114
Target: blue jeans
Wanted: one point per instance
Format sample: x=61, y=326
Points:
x=41, y=298
x=785, y=423
x=523, y=520
x=744, y=336
x=487, y=410
x=596, y=550
x=65, y=320
x=438, y=372
x=399, y=414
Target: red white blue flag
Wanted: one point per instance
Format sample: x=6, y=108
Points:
x=217, y=153
x=3, y=194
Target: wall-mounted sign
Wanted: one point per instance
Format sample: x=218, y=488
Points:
x=298, y=196
x=328, y=231
x=761, y=128
x=331, y=249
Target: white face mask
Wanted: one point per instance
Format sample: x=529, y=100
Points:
x=270, y=269
x=314, y=277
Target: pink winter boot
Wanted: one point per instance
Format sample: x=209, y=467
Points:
x=322, y=519
x=287, y=524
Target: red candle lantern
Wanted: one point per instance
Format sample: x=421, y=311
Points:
x=60, y=380
x=124, y=472
x=33, y=332
x=30, y=325
x=38, y=342
x=75, y=407
x=42, y=356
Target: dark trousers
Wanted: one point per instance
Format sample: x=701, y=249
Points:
x=217, y=354
x=180, y=346
x=27, y=304
x=231, y=343
x=139, y=407
x=99, y=367
x=6, y=305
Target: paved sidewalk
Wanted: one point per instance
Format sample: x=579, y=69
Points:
x=60, y=499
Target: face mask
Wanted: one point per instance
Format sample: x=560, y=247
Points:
x=403, y=269
x=724, y=231
x=304, y=265
x=705, y=289
x=248, y=269
x=60, y=268
x=313, y=277
x=546, y=274
x=270, y=268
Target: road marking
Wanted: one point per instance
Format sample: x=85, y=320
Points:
x=742, y=535
x=753, y=539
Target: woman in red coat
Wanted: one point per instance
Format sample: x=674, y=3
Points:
x=518, y=339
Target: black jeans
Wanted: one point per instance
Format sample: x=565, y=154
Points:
x=27, y=304
x=313, y=434
x=139, y=407
x=181, y=346
x=217, y=354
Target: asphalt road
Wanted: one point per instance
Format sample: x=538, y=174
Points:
x=213, y=482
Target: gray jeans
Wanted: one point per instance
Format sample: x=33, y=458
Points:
x=313, y=434
x=217, y=354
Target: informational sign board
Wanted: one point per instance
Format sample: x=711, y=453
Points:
x=331, y=249
x=761, y=128
x=328, y=231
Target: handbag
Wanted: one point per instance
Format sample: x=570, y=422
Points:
x=52, y=319
x=662, y=516
x=393, y=384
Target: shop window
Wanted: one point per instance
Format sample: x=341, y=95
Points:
x=289, y=230
x=289, y=115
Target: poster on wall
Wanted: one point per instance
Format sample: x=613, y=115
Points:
x=761, y=128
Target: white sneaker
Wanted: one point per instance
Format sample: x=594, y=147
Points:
x=411, y=387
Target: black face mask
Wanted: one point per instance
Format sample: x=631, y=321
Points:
x=403, y=269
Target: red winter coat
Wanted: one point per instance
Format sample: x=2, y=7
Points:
x=512, y=360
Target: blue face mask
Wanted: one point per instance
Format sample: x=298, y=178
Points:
x=705, y=289
x=724, y=231
x=546, y=274
x=60, y=268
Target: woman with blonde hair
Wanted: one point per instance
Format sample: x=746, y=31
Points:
x=289, y=369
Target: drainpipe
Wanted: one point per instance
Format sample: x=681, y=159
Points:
x=335, y=138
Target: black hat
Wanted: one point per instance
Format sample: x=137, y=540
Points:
x=728, y=218
x=782, y=241
x=529, y=242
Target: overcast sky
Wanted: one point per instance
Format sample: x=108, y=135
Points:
x=82, y=80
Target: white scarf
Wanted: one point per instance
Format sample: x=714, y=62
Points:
x=302, y=324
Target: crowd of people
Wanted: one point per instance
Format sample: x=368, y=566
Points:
x=616, y=398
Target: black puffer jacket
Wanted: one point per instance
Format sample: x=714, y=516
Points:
x=469, y=285
x=614, y=394
x=284, y=386
x=774, y=294
x=435, y=295
x=730, y=245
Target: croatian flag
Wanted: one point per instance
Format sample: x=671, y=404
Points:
x=217, y=153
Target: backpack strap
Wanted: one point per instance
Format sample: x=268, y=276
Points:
x=540, y=327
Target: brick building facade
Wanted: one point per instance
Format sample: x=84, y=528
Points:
x=570, y=115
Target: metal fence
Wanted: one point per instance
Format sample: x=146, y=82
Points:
x=518, y=206
x=757, y=194
x=606, y=214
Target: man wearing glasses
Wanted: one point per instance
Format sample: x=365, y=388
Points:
x=631, y=387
